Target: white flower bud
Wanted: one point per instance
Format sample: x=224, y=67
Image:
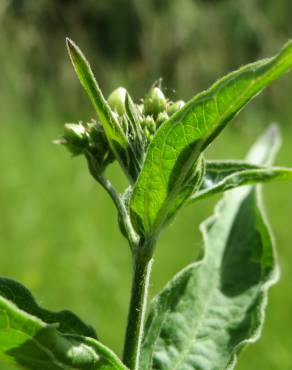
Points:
x=154, y=102
x=117, y=100
x=174, y=107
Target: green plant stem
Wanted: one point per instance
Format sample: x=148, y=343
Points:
x=142, y=255
x=132, y=236
x=137, y=309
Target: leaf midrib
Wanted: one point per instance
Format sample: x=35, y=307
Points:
x=197, y=319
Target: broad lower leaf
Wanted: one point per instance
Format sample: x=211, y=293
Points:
x=114, y=133
x=35, y=338
x=211, y=309
x=179, y=142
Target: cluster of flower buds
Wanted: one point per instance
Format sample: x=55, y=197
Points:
x=151, y=112
x=138, y=122
x=155, y=102
x=88, y=139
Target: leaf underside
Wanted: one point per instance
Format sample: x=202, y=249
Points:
x=207, y=312
x=221, y=176
x=210, y=310
x=35, y=338
x=179, y=142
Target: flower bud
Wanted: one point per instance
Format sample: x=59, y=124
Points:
x=154, y=102
x=96, y=138
x=163, y=116
x=149, y=123
x=148, y=134
x=98, y=144
x=140, y=108
x=117, y=100
x=75, y=132
x=174, y=107
x=75, y=137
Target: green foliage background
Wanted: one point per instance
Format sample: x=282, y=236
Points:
x=58, y=232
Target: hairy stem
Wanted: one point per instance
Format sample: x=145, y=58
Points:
x=138, y=304
x=131, y=235
x=142, y=256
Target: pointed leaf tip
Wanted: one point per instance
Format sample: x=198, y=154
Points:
x=71, y=44
x=76, y=55
x=265, y=149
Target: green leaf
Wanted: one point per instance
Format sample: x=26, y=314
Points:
x=221, y=176
x=114, y=133
x=210, y=310
x=35, y=338
x=214, y=307
x=179, y=142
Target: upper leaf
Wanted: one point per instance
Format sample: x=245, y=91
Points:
x=113, y=130
x=180, y=140
x=36, y=339
x=211, y=309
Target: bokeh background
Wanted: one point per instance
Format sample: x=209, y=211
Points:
x=58, y=231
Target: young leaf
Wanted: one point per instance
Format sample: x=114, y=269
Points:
x=182, y=138
x=225, y=175
x=212, y=308
x=34, y=338
x=114, y=133
x=221, y=176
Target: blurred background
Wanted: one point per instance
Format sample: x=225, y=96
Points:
x=58, y=230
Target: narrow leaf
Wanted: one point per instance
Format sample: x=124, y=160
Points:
x=113, y=131
x=211, y=309
x=221, y=176
x=35, y=338
x=181, y=139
